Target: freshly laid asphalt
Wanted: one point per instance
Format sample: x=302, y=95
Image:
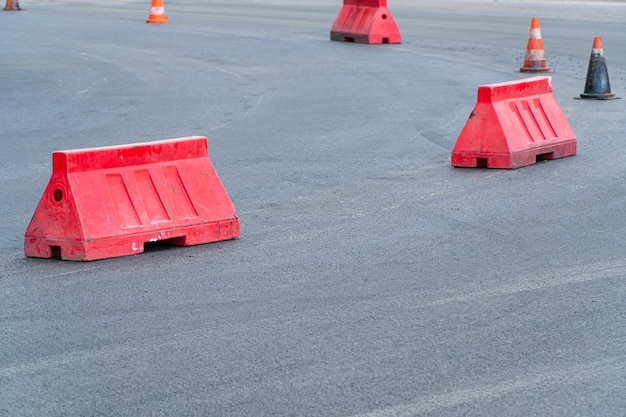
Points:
x=371, y=278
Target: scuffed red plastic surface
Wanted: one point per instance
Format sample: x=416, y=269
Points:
x=108, y=202
x=513, y=125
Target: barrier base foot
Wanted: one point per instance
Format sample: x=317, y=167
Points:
x=91, y=249
x=514, y=160
x=360, y=38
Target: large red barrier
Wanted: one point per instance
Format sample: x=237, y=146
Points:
x=365, y=21
x=513, y=125
x=110, y=201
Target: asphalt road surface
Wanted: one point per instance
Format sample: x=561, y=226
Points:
x=371, y=278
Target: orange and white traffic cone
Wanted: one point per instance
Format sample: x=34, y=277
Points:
x=12, y=5
x=157, y=12
x=535, y=60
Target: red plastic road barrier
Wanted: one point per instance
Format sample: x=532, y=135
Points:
x=107, y=202
x=513, y=125
x=365, y=21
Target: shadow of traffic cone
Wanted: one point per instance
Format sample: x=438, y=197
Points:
x=157, y=12
x=12, y=5
x=597, y=85
x=535, y=60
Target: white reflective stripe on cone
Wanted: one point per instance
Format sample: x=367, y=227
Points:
x=535, y=34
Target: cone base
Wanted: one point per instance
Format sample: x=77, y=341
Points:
x=598, y=96
x=544, y=69
x=157, y=19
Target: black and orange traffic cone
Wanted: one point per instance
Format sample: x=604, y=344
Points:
x=157, y=12
x=597, y=85
x=535, y=60
x=12, y=5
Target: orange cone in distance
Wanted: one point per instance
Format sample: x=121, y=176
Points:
x=535, y=60
x=597, y=85
x=157, y=12
x=12, y=5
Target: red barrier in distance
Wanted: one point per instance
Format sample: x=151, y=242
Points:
x=365, y=21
